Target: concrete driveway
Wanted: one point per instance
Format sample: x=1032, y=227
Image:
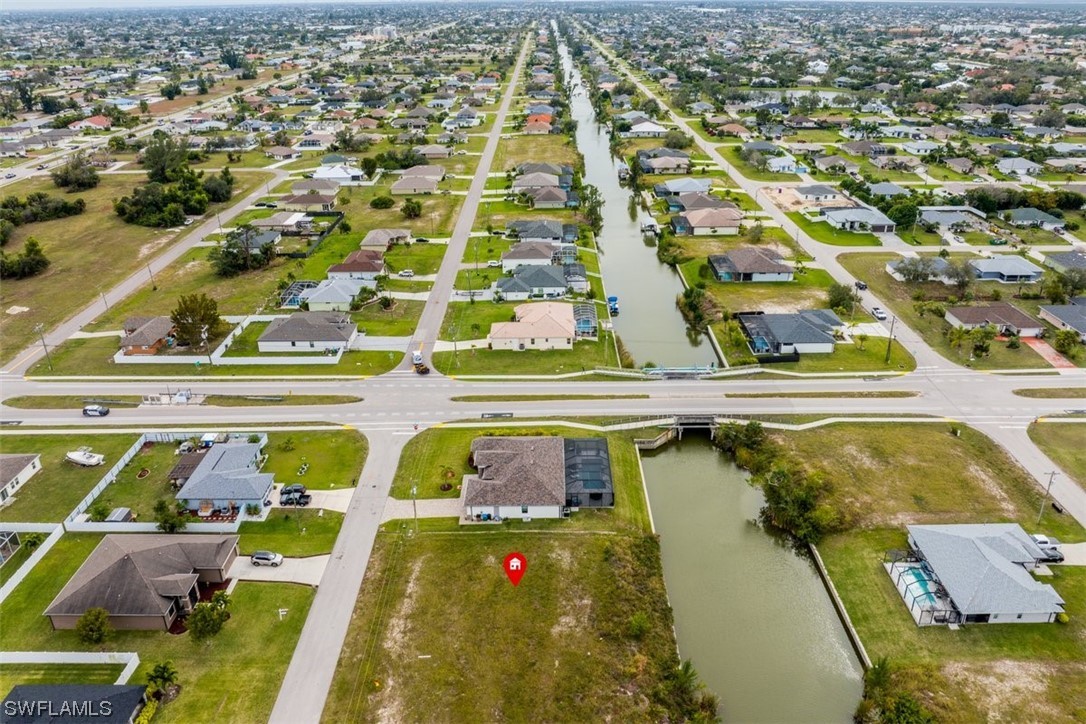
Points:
x=427, y=508
x=337, y=500
x=1074, y=554
x=307, y=571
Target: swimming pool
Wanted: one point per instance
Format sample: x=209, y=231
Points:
x=914, y=580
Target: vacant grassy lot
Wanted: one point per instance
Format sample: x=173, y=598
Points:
x=94, y=244
x=823, y=232
x=94, y=356
x=898, y=296
x=890, y=474
x=399, y=320
x=1008, y=672
x=731, y=155
x=293, y=533
x=335, y=457
x=14, y=674
x=141, y=494
x=571, y=611
x=807, y=291
x=585, y=354
x=516, y=150
x=440, y=455
x=1063, y=442
x=54, y=491
x=871, y=357
x=255, y=645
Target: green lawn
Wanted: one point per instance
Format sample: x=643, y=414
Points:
x=335, y=457
x=518, y=149
x=898, y=296
x=1063, y=443
x=245, y=344
x=483, y=279
x=14, y=674
x=55, y=491
x=12, y=564
x=852, y=358
x=823, y=232
x=420, y=258
x=254, y=646
x=807, y=291
x=95, y=240
x=69, y=402
x=585, y=354
x=399, y=320
x=141, y=494
x=94, y=356
x=293, y=533
x=940, y=666
x=467, y=320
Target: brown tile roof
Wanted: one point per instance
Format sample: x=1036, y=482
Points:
x=517, y=471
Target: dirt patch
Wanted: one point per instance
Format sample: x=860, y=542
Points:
x=997, y=685
x=993, y=488
x=574, y=618
x=562, y=557
x=391, y=710
x=859, y=457
x=16, y=309
x=396, y=635
x=154, y=245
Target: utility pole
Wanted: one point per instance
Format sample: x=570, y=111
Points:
x=39, y=328
x=1051, y=476
x=154, y=285
x=414, y=506
x=890, y=340
x=207, y=347
x=103, y=296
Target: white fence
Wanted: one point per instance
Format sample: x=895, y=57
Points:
x=217, y=356
x=130, y=659
x=35, y=557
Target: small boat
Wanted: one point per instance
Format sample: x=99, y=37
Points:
x=612, y=306
x=84, y=457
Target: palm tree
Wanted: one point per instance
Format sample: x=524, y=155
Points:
x=956, y=336
x=162, y=676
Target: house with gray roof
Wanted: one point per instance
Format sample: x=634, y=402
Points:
x=333, y=295
x=859, y=218
x=674, y=187
x=949, y=217
x=227, y=477
x=146, y=335
x=527, y=253
x=15, y=470
x=49, y=703
x=144, y=581
x=1035, y=218
x=1005, y=317
x=536, y=230
x=1063, y=316
x=536, y=477
x=750, y=264
x=809, y=331
x=308, y=331
x=1009, y=269
x=817, y=192
x=888, y=189
x=1064, y=261
x=1018, y=167
x=973, y=573
x=535, y=281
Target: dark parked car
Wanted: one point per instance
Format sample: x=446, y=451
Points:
x=289, y=489
x=1052, y=555
x=299, y=500
x=861, y=285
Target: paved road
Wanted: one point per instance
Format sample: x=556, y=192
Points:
x=309, y=676
x=430, y=322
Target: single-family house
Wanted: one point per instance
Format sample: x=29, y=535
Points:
x=537, y=477
x=284, y=222
x=1009, y=269
x=383, y=239
x=527, y=253
x=434, y=151
x=144, y=581
x=537, y=128
x=363, y=264
x=342, y=174
x=1018, y=167
x=836, y=164
x=806, y=332
x=529, y=181
x=326, y=186
x=308, y=202
x=708, y=222
x=308, y=331
x=282, y=153
x=59, y=703
x=697, y=200
x=146, y=335
x=430, y=171
x=644, y=128
x=532, y=281
x=1064, y=261
x=973, y=573
x=1034, y=218
x=550, y=197
x=785, y=164
x=937, y=269
x=332, y=295
x=1006, y=318
x=540, y=325
x=817, y=192
x=1063, y=316
x=750, y=264
x=93, y=123
x=859, y=218
x=677, y=186
x=406, y=185
x=540, y=230
x=15, y=470
x=226, y=477
x=960, y=165
x=888, y=189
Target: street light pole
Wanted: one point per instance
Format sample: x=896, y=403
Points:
x=414, y=506
x=41, y=334
x=103, y=296
x=1051, y=476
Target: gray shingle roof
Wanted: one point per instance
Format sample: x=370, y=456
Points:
x=139, y=574
x=310, y=327
x=228, y=472
x=981, y=567
x=12, y=464
x=517, y=471
x=114, y=703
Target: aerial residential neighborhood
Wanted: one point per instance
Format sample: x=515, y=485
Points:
x=409, y=362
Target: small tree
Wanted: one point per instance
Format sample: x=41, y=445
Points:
x=168, y=518
x=93, y=626
x=207, y=619
x=77, y=173
x=193, y=314
x=382, y=202
x=1066, y=341
x=841, y=296
x=98, y=512
x=411, y=209
x=961, y=275
x=162, y=676
x=32, y=540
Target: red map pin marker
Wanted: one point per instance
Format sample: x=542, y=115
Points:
x=515, y=566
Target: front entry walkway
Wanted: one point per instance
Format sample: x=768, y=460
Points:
x=1050, y=355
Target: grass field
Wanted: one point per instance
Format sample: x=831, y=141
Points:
x=335, y=458
x=807, y=291
x=14, y=674
x=585, y=354
x=255, y=645
x=95, y=240
x=516, y=150
x=898, y=296
x=293, y=533
x=1063, y=443
x=55, y=491
x=399, y=320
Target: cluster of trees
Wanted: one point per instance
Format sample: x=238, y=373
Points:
x=175, y=189
x=592, y=207
x=236, y=255
x=991, y=199
x=796, y=499
x=37, y=206
x=77, y=173
x=30, y=261
x=398, y=159
x=411, y=209
x=903, y=212
x=842, y=298
x=1059, y=287
x=208, y=617
x=195, y=316
x=698, y=308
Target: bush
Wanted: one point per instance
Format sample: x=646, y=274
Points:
x=30, y=262
x=33, y=540
x=382, y=202
x=1062, y=617
x=98, y=512
x=148, y=712
x=93, y=626
x=639, y=625
x=38, y=206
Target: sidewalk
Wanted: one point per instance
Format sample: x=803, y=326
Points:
x=427, y=508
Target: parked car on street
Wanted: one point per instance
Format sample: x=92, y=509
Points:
x=878, y=313
x=266, y=558
x=95, y=411
x=861, y=285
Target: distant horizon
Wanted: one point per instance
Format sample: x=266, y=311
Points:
x=75, y=5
